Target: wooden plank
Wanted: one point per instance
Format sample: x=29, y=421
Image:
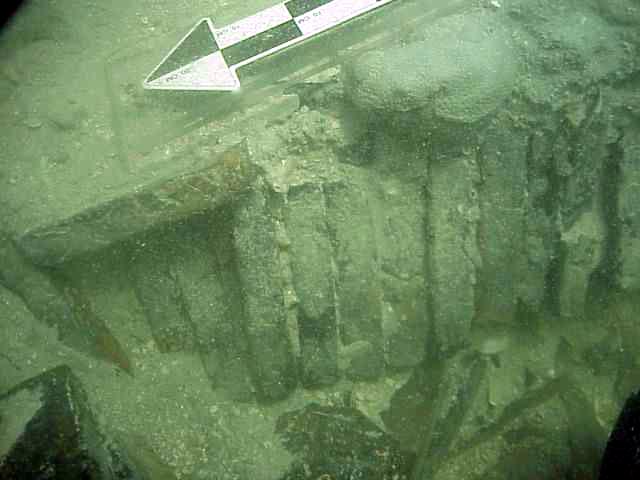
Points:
x=142, y=208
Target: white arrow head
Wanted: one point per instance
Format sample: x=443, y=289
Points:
x=206, y=73
x=195, y=63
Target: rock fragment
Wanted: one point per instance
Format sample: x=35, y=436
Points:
x=462, y=69
x=402, y=256
x=583, y=246
x=354, y=244
x=310, y=253
x=260, y=274
x=161, y=297
x=206, y=272
x=503, y=188
x=453, y=257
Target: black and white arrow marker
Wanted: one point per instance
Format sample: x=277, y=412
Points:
x=207, y=57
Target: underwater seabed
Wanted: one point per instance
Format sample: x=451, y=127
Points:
x=419, y=263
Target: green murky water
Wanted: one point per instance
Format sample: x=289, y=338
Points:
x=405, y=248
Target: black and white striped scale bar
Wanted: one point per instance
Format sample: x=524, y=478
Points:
x=207, y=57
